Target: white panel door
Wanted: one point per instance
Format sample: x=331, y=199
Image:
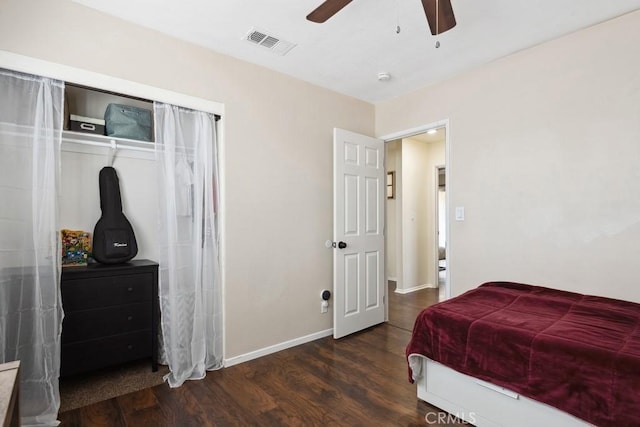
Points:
x=358, y=232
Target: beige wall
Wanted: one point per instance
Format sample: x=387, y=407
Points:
x=546, y=201
x=418, y=198
x=278, y=156
x=414, y=214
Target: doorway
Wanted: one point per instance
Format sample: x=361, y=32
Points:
x=416, y=221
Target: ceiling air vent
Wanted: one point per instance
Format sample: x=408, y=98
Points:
x=275, y=44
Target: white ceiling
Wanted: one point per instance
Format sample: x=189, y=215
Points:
x=436, y=135
x=347, y=52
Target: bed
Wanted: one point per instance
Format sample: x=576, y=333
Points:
x=515, y=354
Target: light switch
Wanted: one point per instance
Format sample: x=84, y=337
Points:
x=459, y=213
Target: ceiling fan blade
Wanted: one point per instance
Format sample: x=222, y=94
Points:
x=439, y=11
x=326, y=10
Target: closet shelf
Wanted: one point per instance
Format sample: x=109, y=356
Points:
x=83, y=142
x=106, y=141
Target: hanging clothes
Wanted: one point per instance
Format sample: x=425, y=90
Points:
x=189, y=276
x=31, y=111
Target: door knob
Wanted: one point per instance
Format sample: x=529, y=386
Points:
x=330, y=244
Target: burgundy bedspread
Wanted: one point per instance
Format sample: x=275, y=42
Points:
x=578, y=353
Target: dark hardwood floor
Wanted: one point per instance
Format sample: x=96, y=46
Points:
x=403, y=309
x=357, y=380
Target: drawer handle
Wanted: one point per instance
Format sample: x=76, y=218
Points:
x=130, y=289
x=130, y=347
x=129, y=317
x=498, y=389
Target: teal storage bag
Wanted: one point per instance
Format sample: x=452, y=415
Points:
x=126, y=121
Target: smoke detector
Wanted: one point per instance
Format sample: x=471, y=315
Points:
x=384, y=76
x=275, y=44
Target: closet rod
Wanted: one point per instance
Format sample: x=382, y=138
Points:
x=109, y=144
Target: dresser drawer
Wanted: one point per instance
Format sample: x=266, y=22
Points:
x=101, y=322
x=92, y=354
x=111, y=315
x=97, y=292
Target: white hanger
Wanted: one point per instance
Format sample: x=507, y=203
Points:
x=111, y=153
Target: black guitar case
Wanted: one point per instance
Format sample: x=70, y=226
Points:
x=113, y=239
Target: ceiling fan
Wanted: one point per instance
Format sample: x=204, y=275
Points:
x=439, y=13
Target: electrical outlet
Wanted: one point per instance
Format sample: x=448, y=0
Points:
x=324, y=307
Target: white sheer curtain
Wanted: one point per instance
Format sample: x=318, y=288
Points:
x=189, y=288
x=30, y=306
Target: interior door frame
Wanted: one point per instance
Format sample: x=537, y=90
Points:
x=407, y=133
x=437, y=218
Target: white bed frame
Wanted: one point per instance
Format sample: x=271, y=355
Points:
x=481, y=403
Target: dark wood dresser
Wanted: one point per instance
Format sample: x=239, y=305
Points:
x=110, y=315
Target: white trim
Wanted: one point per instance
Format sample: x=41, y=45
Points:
x=276, y=347
x=415, y=131
x=437, y=218
x=222, y=222
x=415, y=288
x=394, y=279
x=92, y=79
x=447, y=202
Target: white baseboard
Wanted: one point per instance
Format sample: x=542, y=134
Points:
x=415, y=288
x=276, y=347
